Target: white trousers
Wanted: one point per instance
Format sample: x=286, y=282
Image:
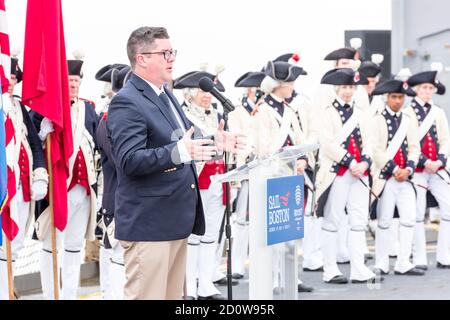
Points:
x=201, y=253
x=347, y=192
x=311, y=242
x=105, y=275
x=400, y=195
x=441, y=191
x=16, y=245
x=71, y=240
x=239, y=252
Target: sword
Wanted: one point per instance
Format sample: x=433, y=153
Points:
x=437, y=173
x=370, y=189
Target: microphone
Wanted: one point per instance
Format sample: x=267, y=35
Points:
x=207, y=85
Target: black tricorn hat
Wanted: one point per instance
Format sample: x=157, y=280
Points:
x=119, y=77
x=393, y=86
x=369, y=69
x=342, y=53
x=345, y=76
x=283, y=71
x=75, y=67
x=15, y=69
x=427, y=77
x=250, y=80
x=104, y=74
x=191, y=80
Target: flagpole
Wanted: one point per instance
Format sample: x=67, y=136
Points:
x=10, y=269
x=54, y=248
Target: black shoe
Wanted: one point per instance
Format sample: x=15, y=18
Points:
x=411, y=272
x=379, y=271
x=302, y=288
x=237, y=276
x=344, y=262
x=368, y=256
x=313, y=270
x=371, y=280
x=213, y=297
x=338, y=280
x=224, y=282
x=442, y=266
x=189, y=298
x=422, y=267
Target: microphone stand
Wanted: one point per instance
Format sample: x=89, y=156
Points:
x=229, y=239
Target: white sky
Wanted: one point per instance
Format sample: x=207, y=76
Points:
x=241, y=35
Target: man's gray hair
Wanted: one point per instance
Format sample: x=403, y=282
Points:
x=142, y=39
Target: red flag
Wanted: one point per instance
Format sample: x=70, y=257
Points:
x=9, y=217
x=45, y=89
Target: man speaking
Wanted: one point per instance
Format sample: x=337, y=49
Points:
x=158, y=202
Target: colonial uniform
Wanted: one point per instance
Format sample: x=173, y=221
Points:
x=324, y=96
x=397, y=147
x=435, y=145
x=201, y=251
x=345, y=141
x=275, y=125
x=112, y=270
x=81, y=184
x=240, y=121
x=27, y=159
x=312, y=252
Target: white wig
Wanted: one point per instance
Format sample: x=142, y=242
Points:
x=268, y=85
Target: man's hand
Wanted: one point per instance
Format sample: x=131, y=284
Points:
x=432, y=166
x=301, y=166
x=39, y=190
x=359, y=169
x=46, y=129
x=401, y=175
x=199, y=149
x=226, y=141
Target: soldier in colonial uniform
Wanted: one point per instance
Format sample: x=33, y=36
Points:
x=276, y=125
x=81, y=185
x=343, y=58
x=312, y=252
x=371, y=70
x=201, y=251
x=31, y=176
x=346, y=57
x=430, y=171
x=342, y=182
x=396, y=154
x=113, y=271
x=239, y=121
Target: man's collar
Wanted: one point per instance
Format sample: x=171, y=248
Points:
x=276, y=98
x=342, y=102
x=157, y=90
x=392, y=112
x=421, y=102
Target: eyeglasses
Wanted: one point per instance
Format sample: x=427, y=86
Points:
x=167, y=54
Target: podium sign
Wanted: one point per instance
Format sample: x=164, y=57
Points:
x=285, y=209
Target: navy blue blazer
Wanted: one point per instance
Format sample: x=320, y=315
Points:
x=157, y=197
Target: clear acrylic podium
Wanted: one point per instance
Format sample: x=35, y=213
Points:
x=273, y=272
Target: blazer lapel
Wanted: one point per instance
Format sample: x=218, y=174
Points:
x=187, y=123
x=150, y=94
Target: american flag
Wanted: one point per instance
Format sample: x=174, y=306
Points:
x=9, y=225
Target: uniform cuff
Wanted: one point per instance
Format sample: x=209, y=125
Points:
x=40, y=174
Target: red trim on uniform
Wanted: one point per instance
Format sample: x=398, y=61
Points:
x=79, y=173
x=24, y=165
x=353, y=149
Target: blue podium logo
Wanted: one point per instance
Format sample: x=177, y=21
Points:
x=285, y=209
